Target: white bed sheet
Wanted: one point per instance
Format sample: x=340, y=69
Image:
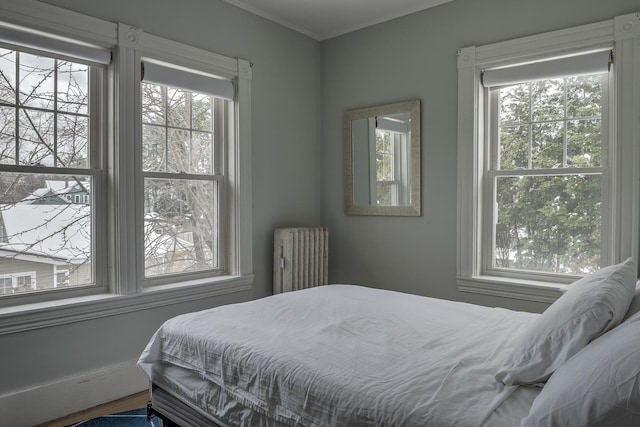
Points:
x=342, y=355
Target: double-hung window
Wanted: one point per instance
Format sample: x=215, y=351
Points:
x=50, y=143
x=547, y=167
x=183, y=129
x=189, y=205
x=548, y=158
x=120, y=177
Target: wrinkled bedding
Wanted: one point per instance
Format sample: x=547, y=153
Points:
x=340, y=355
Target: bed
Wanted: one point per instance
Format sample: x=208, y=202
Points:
x=347, y=355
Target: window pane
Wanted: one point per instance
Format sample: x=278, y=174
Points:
x=8, y=135
x=548, y=223
x=36, y=138
x=384, y=156
x=153, y=148
x=202, y=112
x=6, y=286
x=178, y=108
x=584, y=96
x=514, y=104
x=584, y=143
x=180, y=226
x=202, y=153
x=547, y=145
x=73, y=87
x=547, y=100
x=36, y=81
x=153, y=106
x=45, y=228
x=386, y=193
x=7, y=75
x=178, y=146
x=73, y=141
x=514, y=147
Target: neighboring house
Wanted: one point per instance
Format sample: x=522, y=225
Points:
x=44, y=246
x=44, y=196
x=48, y=245
x=60, y=193
x=45, y=239
x=76, y=192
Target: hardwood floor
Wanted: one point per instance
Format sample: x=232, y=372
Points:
x=134, y=401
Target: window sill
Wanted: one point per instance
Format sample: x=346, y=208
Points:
x=51, y=313
x=528, y=290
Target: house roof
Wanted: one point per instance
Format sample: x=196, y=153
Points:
x=50, y=231
x=55, y=233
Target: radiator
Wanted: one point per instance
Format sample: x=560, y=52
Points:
x=301, y=258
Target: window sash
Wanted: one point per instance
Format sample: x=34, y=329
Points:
x=492, y=172
x=222, y=111
x=93, y=169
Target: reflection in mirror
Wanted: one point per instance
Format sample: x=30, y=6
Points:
x=382, y=160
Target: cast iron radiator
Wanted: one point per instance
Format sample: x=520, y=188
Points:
x=300, y=258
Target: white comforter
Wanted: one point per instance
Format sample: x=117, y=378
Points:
x=344, y=355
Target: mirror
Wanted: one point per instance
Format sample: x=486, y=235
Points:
x=382, y=160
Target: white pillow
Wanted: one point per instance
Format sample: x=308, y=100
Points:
x=596, y=387
x=590, y=307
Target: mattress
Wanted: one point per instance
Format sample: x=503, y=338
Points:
x=341, y=355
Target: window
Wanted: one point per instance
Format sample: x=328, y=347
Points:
x=109, y=184
x=391, y=161
x=49, y=142
x=25, y=282
x=18, y=283
x=61, y=278
x=544, y=178
x=545, y=181
x=6, y=285
x=182, y=179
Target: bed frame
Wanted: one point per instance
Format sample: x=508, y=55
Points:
x=174, y=412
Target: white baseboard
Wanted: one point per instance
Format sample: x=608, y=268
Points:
x=72, y=394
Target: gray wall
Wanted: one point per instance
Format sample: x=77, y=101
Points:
x=286, y=172
x=408, y=58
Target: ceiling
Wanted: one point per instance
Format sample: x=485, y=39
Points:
x=323, y=19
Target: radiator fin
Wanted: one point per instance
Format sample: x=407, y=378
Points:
x=301, y=258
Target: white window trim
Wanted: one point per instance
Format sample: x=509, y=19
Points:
x=55, y=275
x=125, y=291
x=624, y=33
x=30, y=274
x=7, y=276
x=14, y=277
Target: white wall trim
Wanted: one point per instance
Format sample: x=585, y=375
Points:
x=68, y=395
x=239, y=160
x=507, y=288
x=63, y=22
x=59, y=312
x=590, y=36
